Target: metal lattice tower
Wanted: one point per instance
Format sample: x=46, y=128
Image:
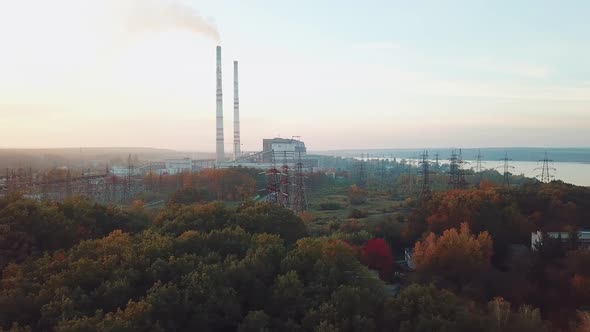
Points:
x=68, y=185
x=425, y=172
x=273, y=189
x=362, y=177
x=151, y=178
x=299, y=199
x=436, y=161
x=546, y=170
x=506, y=170
x=285, y=192
x=479, y=167
x=463, y=184
x=128, y=189
x=456, y=172
x=382, y=171
x=410, y=175
x=478, y=162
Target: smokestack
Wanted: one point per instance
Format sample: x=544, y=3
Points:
x=220, y=142
x=236, y=113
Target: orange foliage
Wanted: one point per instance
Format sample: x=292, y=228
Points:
x=455, y=207
x=334, y=249
x=138, y=204
x=487, y=185
x=306, y=216
x=454, y=250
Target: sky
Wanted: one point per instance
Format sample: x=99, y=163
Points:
x=339, y=74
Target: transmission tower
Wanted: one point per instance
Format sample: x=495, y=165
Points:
x=273, y=189
x=436, y=162
x=382, y=171
x=45, y=187
x=151, y=179
x=299, y=199
x=463, y=184
x=506, y=170
x=478, y=162
x=456, y=171
x=546, y=170
x=128, y=186
x=362, y=177
x=68, y=185
x=410, y=174
x=425, y=172
x=285, y=197
x=479, y=166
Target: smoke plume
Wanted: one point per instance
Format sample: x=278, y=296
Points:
x=146, y=15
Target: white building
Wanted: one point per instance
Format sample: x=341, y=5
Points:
x=282, y=148
x=175, y=166
x=123, y=171
x=584, y=237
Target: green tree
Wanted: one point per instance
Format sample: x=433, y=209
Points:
x=255, y=321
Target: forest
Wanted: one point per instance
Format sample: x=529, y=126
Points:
x=200, y=264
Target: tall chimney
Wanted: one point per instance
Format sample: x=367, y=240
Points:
x=220, y=154
x=236, y=113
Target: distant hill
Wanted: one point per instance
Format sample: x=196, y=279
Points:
x=580, y=155
x=84, y=157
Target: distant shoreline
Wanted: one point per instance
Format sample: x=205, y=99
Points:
x=573, y=155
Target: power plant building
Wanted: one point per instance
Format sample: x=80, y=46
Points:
x=274, y=150
x=279, y=149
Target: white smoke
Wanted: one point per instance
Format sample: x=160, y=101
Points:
x=146, y=15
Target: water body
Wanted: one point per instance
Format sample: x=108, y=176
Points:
x=574, y=173
x=568, y=172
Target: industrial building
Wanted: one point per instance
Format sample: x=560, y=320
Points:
x=274, y=150
x=279, y=149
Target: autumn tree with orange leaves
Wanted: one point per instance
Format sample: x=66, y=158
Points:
x=454, y=257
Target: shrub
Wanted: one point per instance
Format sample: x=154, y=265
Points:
x=329, y=206
x=358, y=213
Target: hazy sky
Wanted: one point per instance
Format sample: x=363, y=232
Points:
x=340, y=74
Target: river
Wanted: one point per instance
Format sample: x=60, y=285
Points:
x=574, y=173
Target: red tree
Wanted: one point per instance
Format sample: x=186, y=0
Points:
x=376, y=254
